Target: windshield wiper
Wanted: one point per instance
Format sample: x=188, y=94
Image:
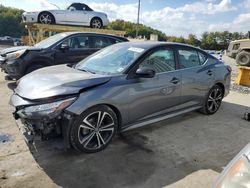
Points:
x=86, y=70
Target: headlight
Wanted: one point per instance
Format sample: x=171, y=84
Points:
x=237, y=174
x=15, y=55
x=52, y=109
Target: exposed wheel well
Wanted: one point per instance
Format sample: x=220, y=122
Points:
x=118, y=114
x=222, y=87
x=48, y=13
x=246, y=50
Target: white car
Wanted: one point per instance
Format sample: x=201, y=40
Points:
x=75, y=14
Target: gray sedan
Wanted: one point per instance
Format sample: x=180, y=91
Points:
x=121, y=87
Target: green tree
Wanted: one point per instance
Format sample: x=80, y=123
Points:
x=130, y=29
x=10, y=22
x=192, y=40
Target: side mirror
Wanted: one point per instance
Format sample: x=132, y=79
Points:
x=145, y=73
x=64, y=47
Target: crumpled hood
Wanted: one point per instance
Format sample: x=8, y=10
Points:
x=56, y=81
x=13, y=49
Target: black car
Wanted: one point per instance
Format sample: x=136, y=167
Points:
x=7, y=40
x=62, y=48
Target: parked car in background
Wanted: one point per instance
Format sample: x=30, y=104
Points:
x=7, y=40
x=121, y=87
x=75, y=14
x=62, y=48
x=240, y=50
x=237, y=173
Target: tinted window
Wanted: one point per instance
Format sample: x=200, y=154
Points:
x=113, y=40
x=188, y=58
x=202, y=57
x=160, y=61
x=77, y=42
x=101, y=42
x=78, y=6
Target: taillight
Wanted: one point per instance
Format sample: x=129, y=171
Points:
x=229, y=68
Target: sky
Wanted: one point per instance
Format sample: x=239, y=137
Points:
x=173, y=17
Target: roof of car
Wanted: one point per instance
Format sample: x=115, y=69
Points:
x=240, y=40
x=152, y=44
x=75, y=32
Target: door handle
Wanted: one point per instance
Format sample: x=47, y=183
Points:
x=175, y=80
x=210, y=73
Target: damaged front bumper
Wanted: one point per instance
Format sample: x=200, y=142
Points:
x=35, y=126
x=12, y=68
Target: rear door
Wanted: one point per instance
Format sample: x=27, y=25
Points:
x=196, y=75
x=155, y=96
x=78, y=49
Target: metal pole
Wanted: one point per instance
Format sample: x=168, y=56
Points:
x=138, y=18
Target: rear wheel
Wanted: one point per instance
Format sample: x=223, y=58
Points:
x=243, y=58
x=94, y=129
x=46, y=18
x=96, y=23
x=213, y=100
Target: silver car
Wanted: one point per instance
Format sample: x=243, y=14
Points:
x=119, y=88
x=75, y=14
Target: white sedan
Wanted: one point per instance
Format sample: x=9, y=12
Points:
x=75, y=14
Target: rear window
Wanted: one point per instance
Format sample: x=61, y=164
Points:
x=102, y=42
x=188, y=58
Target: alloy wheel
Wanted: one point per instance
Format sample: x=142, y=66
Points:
x=96, y=23
x=45, y=19
x=214, y=100
x=96, y=130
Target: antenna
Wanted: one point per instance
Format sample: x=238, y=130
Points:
x=55, y=5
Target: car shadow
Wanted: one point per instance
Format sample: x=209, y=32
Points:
x=153, y=156
x=12, y=85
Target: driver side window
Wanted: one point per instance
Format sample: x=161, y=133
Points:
x=161, y=60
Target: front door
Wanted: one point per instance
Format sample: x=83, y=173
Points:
x=73, y=50
x=150, y=97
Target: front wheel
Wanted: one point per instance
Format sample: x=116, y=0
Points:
x=46, y=18
x=213, y=100
x=94, y=129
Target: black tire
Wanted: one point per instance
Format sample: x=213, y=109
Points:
x=46, y=18
x=212, y=101
x=96, y=23
x=243, y=58
x=33, y=68
x=89, y=136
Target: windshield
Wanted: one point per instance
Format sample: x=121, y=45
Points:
x=50, y=41
x=111, y=60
